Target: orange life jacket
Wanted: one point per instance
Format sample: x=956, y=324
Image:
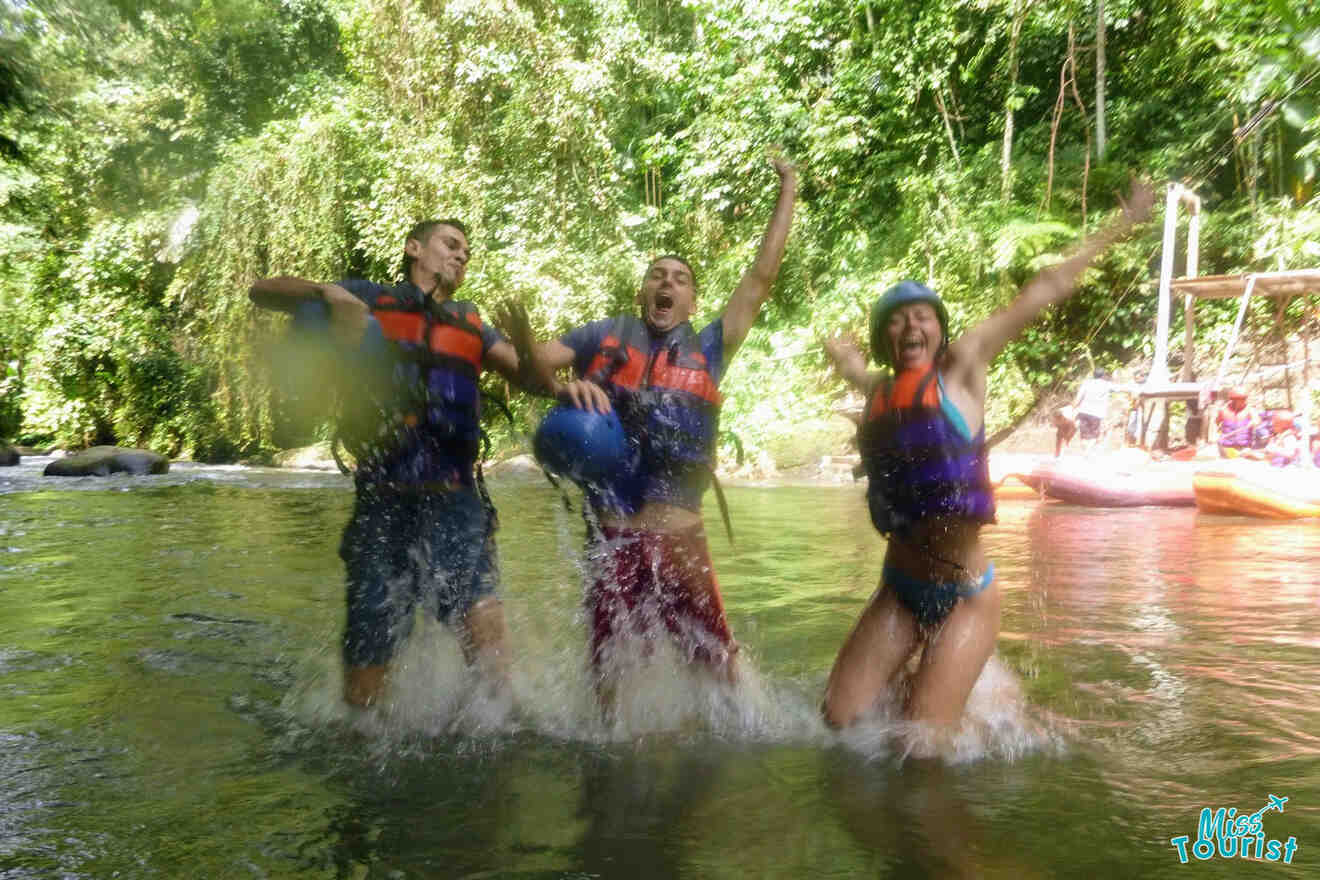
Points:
x=426, y=398
x=669, y=403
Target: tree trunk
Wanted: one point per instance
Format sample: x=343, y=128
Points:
x=1100, y=79
x=1037, y=396
x=948, y=125
x=1006, y=157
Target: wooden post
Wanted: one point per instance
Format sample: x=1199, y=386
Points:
x=1159, y=368
x=1281, y=306
x=1237, y=328
x=1189, y=301
x=1308, y=460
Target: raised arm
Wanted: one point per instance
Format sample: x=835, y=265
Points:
x=979, y=346
x=754, y=288
x=849, y=363
x=538, y=362
x=348, y=314
x=503, y=359
x=283, y=293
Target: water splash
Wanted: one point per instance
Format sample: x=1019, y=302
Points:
x=998, y=723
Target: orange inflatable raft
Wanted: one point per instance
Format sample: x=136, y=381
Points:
x=1277, y=493
x=1013, y=488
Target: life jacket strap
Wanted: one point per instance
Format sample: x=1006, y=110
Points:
x=724, y=505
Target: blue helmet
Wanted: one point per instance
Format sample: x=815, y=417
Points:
x=901, y=294
x=589, y=448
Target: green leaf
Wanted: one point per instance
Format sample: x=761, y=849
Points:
x=1260, y=80
x=1297, y=112
x=1309, y=43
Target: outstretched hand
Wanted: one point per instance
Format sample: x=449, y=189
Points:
x=841, y=347
x=511, y=318
x=782, y=166
x=846, y=356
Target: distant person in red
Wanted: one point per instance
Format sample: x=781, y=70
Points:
x=1065, y=427
x=1236, y=422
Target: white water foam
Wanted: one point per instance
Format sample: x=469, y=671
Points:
x=431, y=693
x=658, y=693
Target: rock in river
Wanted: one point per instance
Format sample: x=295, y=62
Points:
x=100, y=461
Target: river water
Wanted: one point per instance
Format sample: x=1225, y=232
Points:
x=169, y=678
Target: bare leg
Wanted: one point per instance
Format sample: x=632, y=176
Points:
x=484, y=638
x=881, y=642
x=954, y=658
x=363, y=685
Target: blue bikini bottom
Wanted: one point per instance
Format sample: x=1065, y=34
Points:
x=931, y=603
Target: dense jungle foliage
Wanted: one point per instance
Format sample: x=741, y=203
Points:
x=156, y=156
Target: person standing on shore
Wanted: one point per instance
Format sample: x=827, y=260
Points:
x=1092, y=405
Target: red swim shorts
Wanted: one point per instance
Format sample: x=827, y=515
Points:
x=640, y=579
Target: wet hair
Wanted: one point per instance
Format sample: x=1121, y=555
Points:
x=422, y=233
x=676, y=257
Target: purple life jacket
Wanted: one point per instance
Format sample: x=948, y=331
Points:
x=920, y=458
x=1235, y=428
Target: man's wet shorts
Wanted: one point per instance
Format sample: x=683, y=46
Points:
x=641, y=580
x=403, y=547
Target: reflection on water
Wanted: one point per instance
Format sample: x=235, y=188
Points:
x=169, y=699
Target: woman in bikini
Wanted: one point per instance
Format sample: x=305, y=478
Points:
x=922, y=440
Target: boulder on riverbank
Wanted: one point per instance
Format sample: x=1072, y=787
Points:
x=8, y=455
x=101, y=461
x=316, y=457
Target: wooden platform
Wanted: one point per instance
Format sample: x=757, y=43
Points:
x=1170, y=390
x=1267, y=284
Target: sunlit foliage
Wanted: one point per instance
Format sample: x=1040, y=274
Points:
x=157, y=157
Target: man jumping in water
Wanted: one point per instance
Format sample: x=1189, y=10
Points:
x=420, y=530
x=650, y=563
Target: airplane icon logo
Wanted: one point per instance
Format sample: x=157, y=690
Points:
x=1275, y=803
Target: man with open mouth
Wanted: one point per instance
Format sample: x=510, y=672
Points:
x=649, y=563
